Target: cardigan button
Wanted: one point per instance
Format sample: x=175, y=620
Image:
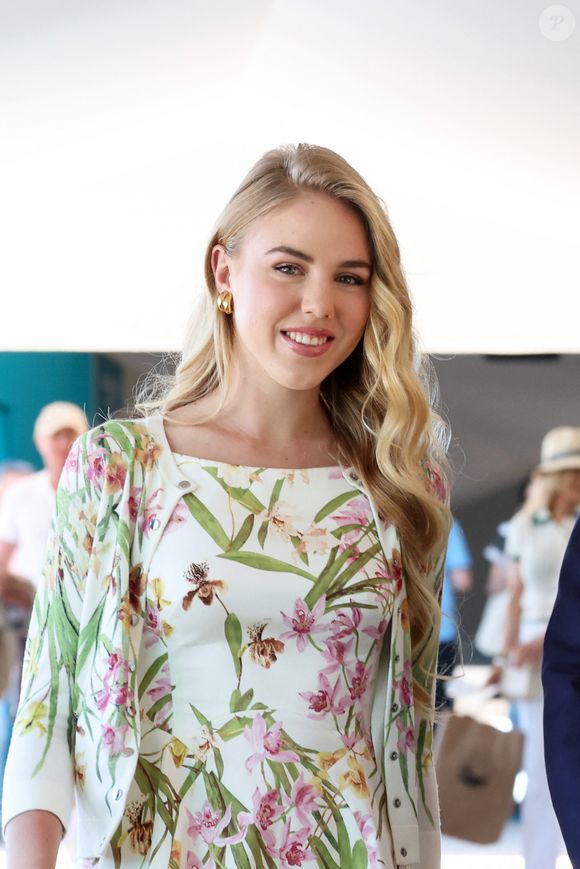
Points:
x=397, y=803
x=131, y=666
x=134, y=619
x=394, y=755
x=395, y=707
x=397, y=659
x=403, y=852
x=354, y=476
x=154, y=524
x=183, y=484
x=119, y=794
x=131, y=711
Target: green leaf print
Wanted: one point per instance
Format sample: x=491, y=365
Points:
x=276, y=493
x=233, y=632
x=240, y=856
x=88, y=637
x=323, y=854
x=266, y=562
x=152, y=672
x=331, y=578
x=234, y=727
x=219, y=761
x=333, y=505
x=360, y=857
x=263, y=532
x=239, y=702
x=343, y=841
x=243, y=533
x=207, y=520
x=200, y=716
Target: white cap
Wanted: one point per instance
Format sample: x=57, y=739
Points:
x=57, y=416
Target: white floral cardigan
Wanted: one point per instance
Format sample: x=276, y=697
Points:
x=118, y=490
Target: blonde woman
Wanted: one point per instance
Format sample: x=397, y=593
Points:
x=233, y=654
x=537, y=539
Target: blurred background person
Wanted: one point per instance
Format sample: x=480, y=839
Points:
x=458, y=578
x=489, y=638
x=26, y=509
x=536, y=543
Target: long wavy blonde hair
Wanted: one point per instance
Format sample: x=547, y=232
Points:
x=377, y=401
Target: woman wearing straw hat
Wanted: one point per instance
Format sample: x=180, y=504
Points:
x=536, y=543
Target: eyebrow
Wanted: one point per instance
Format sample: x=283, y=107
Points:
x=347, y=264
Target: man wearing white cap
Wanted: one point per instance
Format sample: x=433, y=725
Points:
x=28, y=505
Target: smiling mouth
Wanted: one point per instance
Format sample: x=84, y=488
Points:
x=310, y=340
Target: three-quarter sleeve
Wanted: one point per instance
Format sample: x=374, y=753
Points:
x=40, y=767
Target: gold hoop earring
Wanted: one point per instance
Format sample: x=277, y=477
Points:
x=225, y=302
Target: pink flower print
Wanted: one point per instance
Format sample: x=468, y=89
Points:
x=178, y=516
x=266, y=809
x=162, y=684
x=356, y=512
x=293, y=850
x=369, y=835
x=357, y=681
x=377, y=632
x=114, y=738
x=96, y=467
x=323, y=702
x=335, y=654
x=134, y=500
x=209, y=825
x=303, y=622
x=267, y=743
x=349, y=740
x=103, y=696
x=153, y=628
x=194, y=863
x=404, y=684
x=116, y=664
x=345, y=623
x=407, y=738
x=304, y=797
x=121, y=694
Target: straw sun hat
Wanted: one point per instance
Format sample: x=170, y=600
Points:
x=560, y=450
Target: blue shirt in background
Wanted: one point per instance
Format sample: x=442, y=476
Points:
x=458, y=557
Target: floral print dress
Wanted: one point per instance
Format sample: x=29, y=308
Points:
x=261, y=671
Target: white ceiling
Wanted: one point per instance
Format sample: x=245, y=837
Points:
x=127, y=123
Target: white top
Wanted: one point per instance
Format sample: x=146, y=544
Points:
x=538, y=543
x=25, y=517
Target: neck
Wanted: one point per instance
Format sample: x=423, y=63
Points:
x=54, y=477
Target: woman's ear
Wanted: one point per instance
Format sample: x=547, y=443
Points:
x=221, y=268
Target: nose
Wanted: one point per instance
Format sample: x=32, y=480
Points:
x=318, y=298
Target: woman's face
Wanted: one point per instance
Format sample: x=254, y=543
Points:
x=301, y=286
x=571, y=487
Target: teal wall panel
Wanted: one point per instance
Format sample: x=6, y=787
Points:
x=28, y=381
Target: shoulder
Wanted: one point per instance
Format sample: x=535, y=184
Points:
x=102, y=457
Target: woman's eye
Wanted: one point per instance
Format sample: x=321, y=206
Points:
x=352, y=280
x=287, y=269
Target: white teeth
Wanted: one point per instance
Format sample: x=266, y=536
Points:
x=312, y=340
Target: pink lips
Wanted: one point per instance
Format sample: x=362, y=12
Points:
x=308, y=349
